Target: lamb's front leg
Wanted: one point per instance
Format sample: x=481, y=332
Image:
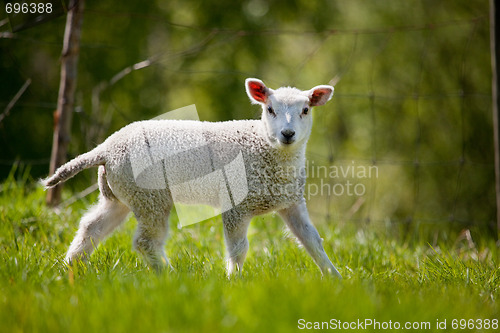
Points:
x=297, y=219
x=235, y=234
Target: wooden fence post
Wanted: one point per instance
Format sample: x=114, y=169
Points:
x=66, y=97
x=495, y=69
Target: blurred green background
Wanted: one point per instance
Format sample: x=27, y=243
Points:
x=412, y=93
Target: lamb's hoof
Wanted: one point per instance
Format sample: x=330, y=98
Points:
x=162, y=266
x=73, y=259
x=332, y=273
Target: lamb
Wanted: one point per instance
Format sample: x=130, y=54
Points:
x=148, y=166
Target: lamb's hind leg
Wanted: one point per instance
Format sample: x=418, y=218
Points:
x=150, y=238
x=97, y=223
x=297, y=219
x=235, y=234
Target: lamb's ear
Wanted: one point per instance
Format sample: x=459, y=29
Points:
x=257, y=91
x=319, y=95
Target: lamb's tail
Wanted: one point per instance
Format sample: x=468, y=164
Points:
x=92, y=158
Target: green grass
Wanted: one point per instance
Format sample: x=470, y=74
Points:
x=384, y=279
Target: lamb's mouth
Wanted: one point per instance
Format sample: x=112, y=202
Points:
x=287, y=142
x=281, y=142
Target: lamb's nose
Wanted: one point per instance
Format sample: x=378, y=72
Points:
x=288, y=133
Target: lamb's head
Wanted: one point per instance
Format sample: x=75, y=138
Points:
x=286, y=112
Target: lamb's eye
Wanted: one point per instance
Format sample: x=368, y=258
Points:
x=305, y=110
x=270, y=110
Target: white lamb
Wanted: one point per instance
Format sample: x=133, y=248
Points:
x=141, y=164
